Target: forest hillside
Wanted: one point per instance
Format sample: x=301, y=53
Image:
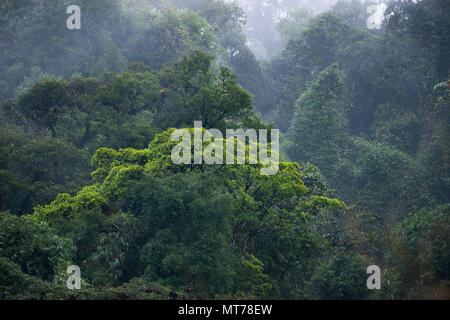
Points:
x=359, y=92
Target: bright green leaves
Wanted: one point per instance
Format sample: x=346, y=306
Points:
x=104, y=160
x=319, y=202
x=65, y=207
x=66, y=212
x=120, y=176
x=251, y=282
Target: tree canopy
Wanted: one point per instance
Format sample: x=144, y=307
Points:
x=88, y=123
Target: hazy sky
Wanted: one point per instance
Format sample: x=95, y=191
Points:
x=314, y=5
x=263, y=14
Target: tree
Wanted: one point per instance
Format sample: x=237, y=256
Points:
x=164, y=38
x=47, y=103
x=191, y=226
x=387, y=178
x=292, y=26
x=401, y=130
x=195, y=93
x=419, y=255
x=304, y=57
x=36, y=248
x=318, y=132
x=425, y=22
x=24, y=48
x=34, y=171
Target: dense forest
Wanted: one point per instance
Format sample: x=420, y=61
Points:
x=86, y=178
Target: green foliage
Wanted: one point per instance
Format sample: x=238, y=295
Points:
x=65, y=207
x=317, y=47
x=318, y=131
x=399, y=130
x=420, y=255
x=143, y=36
x=124, y=110
x=16, y=285
x=386, y=177
x=36, y=248
x=251, y=281
x=46, y=103
x=162, y=39
x=434, y=151
x=89, y=113
x=364, y=112
x=34, y=171
x=341, y=277
x=188, y=228
x=188, y=233
x=292, y=26
x=195, y=93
